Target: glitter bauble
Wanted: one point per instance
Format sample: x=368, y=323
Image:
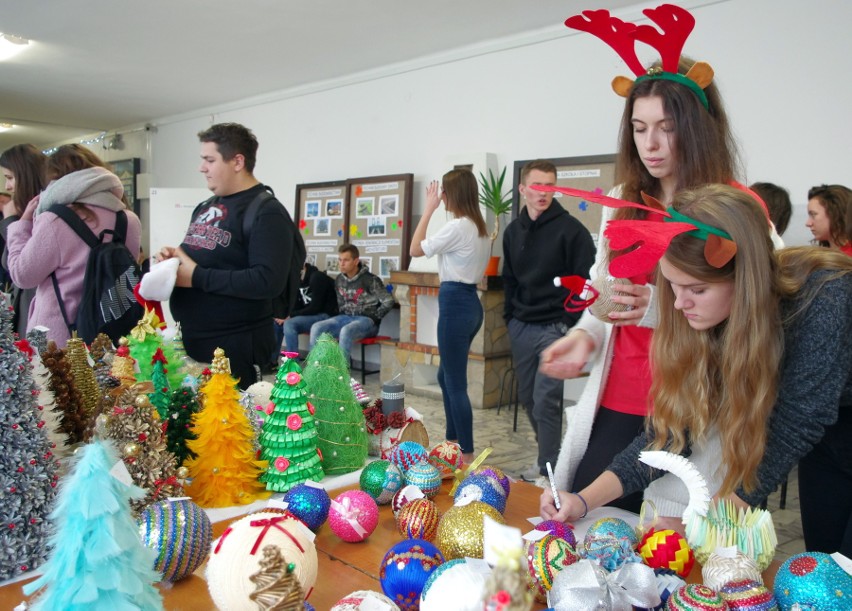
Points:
x=610, y=542
x=453, y=585
x=615, y=527
x=748, y=595
x=353, y=515
x=309, y=503
x=425, y=476
x=182, y=473
x=545, y=560
x=461, y=530
x=419, y=519
x=180, y=533
x=405, y=494
x=498, y=474
x=131, y=448
x=667, y=549
x=407, y=454
x=143, y=401
x=483, y=488
x=558, y=529
x=814, y=581
x=604, y=304
x=695, y=597
x=381, y=479
x=447, y=456
x=405, y=569
x=237, y=554
x=365, y=600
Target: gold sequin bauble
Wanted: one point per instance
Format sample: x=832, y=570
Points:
x=461, y=530
x=142, y=401
x=182, y=473
x=131, y=448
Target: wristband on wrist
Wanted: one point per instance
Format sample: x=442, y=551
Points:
x=585, y=505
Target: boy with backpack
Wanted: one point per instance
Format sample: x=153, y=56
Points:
x=239, y=261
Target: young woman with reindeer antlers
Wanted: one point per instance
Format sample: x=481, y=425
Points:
x=674, y=135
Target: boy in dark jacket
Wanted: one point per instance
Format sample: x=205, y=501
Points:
x=317, y=301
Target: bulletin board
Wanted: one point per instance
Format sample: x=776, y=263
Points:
x=594, y=173
x=321, y=211
x=126, y=170
x=379, y=219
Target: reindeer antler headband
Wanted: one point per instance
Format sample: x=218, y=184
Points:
x=651, y=237
x=675, y=25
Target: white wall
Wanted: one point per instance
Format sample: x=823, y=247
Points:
x=780, y=67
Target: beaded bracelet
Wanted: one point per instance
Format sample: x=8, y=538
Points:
x=585, y=505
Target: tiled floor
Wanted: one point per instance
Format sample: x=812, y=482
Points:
x=515, y=451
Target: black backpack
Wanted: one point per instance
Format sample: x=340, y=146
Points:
x=108, y=304
x=284, y=303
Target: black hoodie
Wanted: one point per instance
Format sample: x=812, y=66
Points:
x=316, y=294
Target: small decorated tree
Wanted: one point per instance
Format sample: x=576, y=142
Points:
x=160, y=396
x=98, y=560
x=340, y=421
x=68, y=402
x=144, y=342
x=276, y=584
x=225, y=471
x=28, y=468
x=183, y=404
x=123, y=364
x=288, y=440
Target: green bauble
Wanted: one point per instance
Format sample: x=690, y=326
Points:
x=381, y=479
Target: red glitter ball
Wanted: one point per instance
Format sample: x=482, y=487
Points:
x=40, y=424
x=32, y=461
x=11, y=526
x=24, y=568
x=143, y=436
x=13, y=489
x=33, y=520
x=15, y=426
x=803, y=565
x=20, y=469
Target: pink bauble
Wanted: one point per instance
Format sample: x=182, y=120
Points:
x=353, y=516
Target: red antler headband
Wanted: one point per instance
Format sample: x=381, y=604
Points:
x=675, y=25
x=651, y=238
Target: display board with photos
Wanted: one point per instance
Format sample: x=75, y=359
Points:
x=594, y=173
x=126, y=170
x=321, y=211
x=379, y=219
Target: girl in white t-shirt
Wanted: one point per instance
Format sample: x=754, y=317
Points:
x=463, y=248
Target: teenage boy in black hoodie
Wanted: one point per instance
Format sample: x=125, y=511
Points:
x=317, y=301
x=544, y=242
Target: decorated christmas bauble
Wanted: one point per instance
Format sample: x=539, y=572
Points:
x=381, y=479
x=695, y=597
x=419, y=520
x=180, y=532
x=405, y=569
x=462, y=527
x=545, y=559
x=615, y=527
x=237, y=554
x=558, y=529
x=604, y=304
x=748, y=595
x=610, y=542
x=407, y=454
x=813, y=580
x=498, y=474
x=425, y=476
x=353, y=515
x=726, y=565
x=405, y=494
x=666, y=549
x=453, y=585
x=310, y=503
x=483, y=488
x=447, y=456
x=365, y=600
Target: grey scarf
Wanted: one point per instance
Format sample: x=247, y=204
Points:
x=92, y=186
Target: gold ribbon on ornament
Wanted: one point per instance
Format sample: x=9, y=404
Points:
x=146, y=326
x=460, y=474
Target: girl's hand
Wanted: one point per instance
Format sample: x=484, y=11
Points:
x=433, y=196
x=638, y=296
x=29, y=212
x=565, y=358
x=571, y=507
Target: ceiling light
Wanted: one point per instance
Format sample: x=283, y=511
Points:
x=11, y=45
x=4, y=127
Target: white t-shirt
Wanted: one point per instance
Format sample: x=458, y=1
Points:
x=462, y=254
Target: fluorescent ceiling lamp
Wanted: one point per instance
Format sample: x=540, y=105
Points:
x=11, y=45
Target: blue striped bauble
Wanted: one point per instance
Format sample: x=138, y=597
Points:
x=180, y=532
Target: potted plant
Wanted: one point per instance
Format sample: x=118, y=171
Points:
x=492, y=197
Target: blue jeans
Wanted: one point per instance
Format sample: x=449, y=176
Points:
x=296, y=325
x=347, y=329
x=459, y=319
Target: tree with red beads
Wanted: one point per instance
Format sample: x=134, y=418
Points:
x=160, y=397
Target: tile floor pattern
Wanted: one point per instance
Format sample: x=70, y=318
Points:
x=516, y=451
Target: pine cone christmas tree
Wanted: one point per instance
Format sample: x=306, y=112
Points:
x=276, y=586
x=139, y=438
x=98, y=559
x=102, y=352
x=340, y=421
x=28, y=468
x=68, y=402
x=84, y=376
x=289, y=436
x=225, y=471
x=177, y=425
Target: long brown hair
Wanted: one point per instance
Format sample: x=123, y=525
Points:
x=29, y=167
x=704, y=149
x=836, y=200
x=463, y=197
